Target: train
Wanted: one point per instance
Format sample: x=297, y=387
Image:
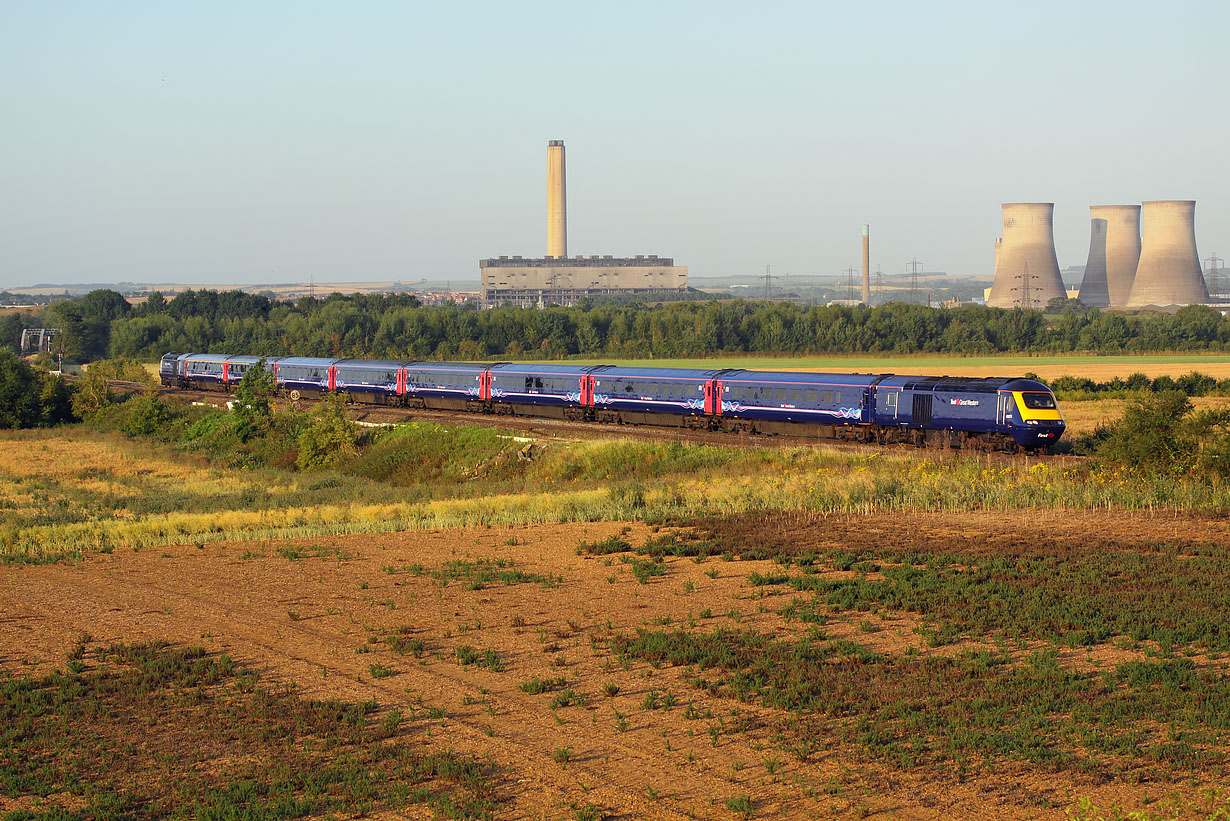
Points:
x=993, y=414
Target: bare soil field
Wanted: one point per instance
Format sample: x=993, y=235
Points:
x=407, y=619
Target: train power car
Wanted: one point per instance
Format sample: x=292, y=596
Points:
x=940, y=411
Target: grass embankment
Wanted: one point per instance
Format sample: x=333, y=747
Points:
x=153, y=731
x=74, y=490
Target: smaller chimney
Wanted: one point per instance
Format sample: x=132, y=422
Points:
x=867, y=264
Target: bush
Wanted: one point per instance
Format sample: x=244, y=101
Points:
x=19, y=393
x=329, y=439
x=147, y=416
x=1161, y=433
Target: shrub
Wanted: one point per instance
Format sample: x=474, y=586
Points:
x=19, y=406
x=1161, y=433
x=329, y=439
x=147, y=415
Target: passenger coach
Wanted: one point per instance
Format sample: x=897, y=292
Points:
x=940, y=411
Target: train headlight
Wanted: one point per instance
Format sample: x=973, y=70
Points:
x=1031, y=421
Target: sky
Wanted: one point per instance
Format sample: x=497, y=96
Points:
x=255, y=142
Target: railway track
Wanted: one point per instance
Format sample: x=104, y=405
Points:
x=563, y=430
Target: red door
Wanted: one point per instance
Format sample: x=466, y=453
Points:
x=226, y=372
x=401, y=381
x=332, y=377
x=587, y=389
x=484, y=385
x=709, y=397
x=717, y=397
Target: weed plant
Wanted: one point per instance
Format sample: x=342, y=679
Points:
x=205, y=741
x=919, y=710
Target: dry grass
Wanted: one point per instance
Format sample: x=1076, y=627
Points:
x=1086, y=417
x=71, y=491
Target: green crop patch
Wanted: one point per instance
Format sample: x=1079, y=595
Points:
x=919, y=710
x=153, y=731
x=1032, y=586
x=480, y=573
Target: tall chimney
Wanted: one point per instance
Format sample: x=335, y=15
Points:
x=1027, y=275
x=1169, y=270
x=867, y=264
x=557, y=206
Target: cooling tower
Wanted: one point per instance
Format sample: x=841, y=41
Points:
x=1122, y=249
x=557, y=205
x=1093, y=285
x=1169, y=269
x=1027, y=273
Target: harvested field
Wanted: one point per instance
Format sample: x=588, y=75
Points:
x=1088, y=415
x=1098, y=368
x=507, y=645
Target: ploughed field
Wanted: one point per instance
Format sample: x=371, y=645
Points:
x=995, y=664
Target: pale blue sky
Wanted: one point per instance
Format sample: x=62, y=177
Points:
x=234, y=142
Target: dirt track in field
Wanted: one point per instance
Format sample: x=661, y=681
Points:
x=310, y=620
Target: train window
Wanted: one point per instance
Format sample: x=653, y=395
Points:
x=736, y=392
x=1039, y=401
x=826, y=397
x=809, y=396
x=629, y=387
x=640, y=388
x=796, y=395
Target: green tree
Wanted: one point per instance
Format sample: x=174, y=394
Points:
x=329, y=439
x=252, y=394
x=55, y=398
x=19, y=393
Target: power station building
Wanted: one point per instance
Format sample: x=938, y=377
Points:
x=558, y=280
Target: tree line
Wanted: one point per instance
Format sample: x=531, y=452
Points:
x=396, y=326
